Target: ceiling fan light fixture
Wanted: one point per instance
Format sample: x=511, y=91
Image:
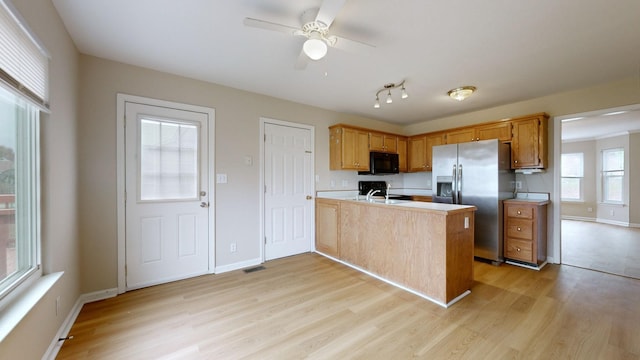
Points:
x=461, y=93
x=314, y=47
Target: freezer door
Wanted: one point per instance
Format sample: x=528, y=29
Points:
x=478, y=164
x=444, y=173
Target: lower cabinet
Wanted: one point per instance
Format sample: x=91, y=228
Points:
x=525, y=231
x=328, y=226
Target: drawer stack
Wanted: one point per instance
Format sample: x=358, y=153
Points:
x=525, y=229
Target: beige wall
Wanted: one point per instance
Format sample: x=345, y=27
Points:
x=634, y=175
x=237, y=135
x=60, y=243
x=585, y=209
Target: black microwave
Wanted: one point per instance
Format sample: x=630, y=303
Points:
x=382, y=163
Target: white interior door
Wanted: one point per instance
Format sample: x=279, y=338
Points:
x=288, y=182
x=167, y=194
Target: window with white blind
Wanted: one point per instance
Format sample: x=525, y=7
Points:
x=572, y=174
x=613, y=176
x=23, y=96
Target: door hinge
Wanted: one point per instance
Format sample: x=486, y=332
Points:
x=265, y=240
x=125, y=270
x=265, y=138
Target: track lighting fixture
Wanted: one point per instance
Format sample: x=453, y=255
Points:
x=388, y=87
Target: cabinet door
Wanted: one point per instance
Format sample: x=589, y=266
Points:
x=417, y=154
x=355, y=149
x=362, y=151
x=376, y=141
x=432, y=140
x=327, y=227
x=460, y=136
x=402, y=154
x=525, y=145
x=500, y=131
x=383, y=142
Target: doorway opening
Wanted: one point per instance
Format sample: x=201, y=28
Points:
x=599, y=207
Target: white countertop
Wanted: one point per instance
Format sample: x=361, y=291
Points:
x=351, y=196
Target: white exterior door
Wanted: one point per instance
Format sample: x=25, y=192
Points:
x=167, y=194
x=288, y=180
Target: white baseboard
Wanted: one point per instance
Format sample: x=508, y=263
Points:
x=237, y=266
x=613, y=222
x=578, y=218
x=63, y=332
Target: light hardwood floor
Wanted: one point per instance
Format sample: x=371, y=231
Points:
x=308, y=306
x=602, y=247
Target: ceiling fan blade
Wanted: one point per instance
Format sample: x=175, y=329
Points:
x=267, y=25
x=352, y=46
x=329, y=10
x=302, y=61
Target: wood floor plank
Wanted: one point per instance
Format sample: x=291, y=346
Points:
x=308, y=306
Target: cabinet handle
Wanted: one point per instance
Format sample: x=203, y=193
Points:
x=518, y=249
x=519, y=212
x=518, y=228
x=515, y=161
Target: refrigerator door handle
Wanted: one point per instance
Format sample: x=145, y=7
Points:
x=454, y=185
x=459, y=186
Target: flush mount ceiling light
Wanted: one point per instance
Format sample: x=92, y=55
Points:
x=462, y=92
x=388, y=87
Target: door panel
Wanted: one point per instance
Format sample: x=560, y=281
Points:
x=288, y=191
x=167, y=187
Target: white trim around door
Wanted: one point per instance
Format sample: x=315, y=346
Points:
x=122, y=100
x=263, y=122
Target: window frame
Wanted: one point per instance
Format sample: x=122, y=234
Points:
x=617, y=173
x=24, y=57
x=580, y=178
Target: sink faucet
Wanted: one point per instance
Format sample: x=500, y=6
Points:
x=370, y=194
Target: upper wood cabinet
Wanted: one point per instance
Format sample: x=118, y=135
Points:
x=402, y=154
x=420, y=149
x=348, y=148
x=383, y=142
x=499, y=130
x=461, y=135
x=529, y=142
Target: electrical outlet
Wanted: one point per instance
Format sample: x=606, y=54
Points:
x=232, y=247
x=612, y=213
x=589, y=209
x=518, y=185
x=221, y=178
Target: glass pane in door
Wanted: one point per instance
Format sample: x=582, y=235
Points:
x=168, y=160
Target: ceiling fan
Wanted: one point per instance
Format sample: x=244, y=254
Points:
x=315, y=27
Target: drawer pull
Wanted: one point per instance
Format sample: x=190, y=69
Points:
x=519, y=212
x=518, y=228
x=518, y=249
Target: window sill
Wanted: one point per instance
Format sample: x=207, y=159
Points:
x=11, y=316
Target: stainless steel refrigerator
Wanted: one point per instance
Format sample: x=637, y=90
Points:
x=476, y=173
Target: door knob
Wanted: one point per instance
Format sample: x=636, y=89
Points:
x=309, y=197
x=204, y=204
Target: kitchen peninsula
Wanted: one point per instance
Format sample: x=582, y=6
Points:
x=426, y=248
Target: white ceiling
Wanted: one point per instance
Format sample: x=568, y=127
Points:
x=510, y=50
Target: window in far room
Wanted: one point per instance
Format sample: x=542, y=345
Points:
x=613, y=175
x=572, y=174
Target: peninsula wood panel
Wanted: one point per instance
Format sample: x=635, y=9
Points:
x=428, y=251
